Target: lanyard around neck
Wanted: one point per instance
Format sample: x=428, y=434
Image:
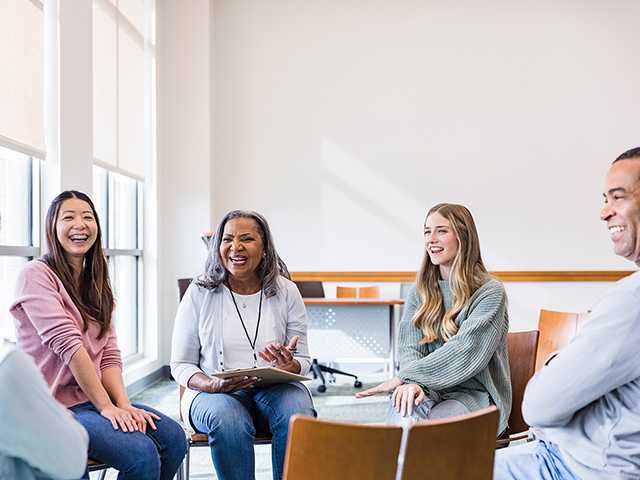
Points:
x=244, y=327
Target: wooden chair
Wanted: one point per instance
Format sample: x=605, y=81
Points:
x=451, y=448
x=556, y=330
x=346, y=292
x=369, y=292
x=522, y=348
x=321, y=450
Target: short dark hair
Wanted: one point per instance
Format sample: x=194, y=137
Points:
x=629, y=154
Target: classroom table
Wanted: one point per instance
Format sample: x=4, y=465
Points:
x=353, y=330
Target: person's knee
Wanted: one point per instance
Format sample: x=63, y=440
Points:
x=294, y=401
x=176, y=440
x=223, y=422
x=145, y=460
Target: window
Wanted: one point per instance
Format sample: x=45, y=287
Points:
x=123, y=136
x=19, y=225
x=22, y=79
x=118, y=200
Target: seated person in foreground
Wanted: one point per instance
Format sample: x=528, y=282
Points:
x=584, y=404
x=39, y=439
x=63, y=313
x=242, y=312
x=452, y=340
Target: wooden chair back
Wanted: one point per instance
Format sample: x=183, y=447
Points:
x=452, y=448
x=183, y=284
x=369, y=292
x=321, y=450
x=346, y=292
x=522, y=360
x=556, y=330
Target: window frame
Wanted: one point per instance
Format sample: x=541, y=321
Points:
x=107, y=225
x=35, y=181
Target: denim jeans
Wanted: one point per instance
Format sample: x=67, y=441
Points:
x=232, y=419
x=429, y=409
x=155, y=455
x=537, y=460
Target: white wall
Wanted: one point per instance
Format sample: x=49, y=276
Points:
x=344, y=121
x=184, y=149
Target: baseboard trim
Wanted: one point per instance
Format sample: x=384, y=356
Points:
x=145, y=382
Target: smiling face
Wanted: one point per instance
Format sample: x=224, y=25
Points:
x=241, y=248
x=441, y=242
x=621, y=210
x=76, y=229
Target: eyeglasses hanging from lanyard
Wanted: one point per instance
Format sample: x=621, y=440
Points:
x=246, y=332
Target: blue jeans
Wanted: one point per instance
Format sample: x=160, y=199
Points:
x=155, y=455
x=537, y=460
x=232, y=419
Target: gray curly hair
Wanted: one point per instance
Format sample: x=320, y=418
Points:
x=269, y=269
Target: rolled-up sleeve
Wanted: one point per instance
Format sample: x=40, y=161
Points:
x=185, y=343
x=111, y=356
x=297, y=325
x=39, y=297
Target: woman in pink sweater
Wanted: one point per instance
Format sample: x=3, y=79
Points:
x=63, y=314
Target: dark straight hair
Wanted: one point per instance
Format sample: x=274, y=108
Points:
x=92, y=295
x=270, y=268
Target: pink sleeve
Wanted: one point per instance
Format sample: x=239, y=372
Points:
x=39, y=297
x=111, y=355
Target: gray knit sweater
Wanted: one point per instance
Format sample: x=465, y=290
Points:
x=473, y=366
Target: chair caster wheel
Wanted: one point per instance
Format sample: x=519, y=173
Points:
x=357, y=384
x=321, y=388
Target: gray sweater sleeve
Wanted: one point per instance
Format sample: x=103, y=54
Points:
x=601, y=358
x=408, y=336
x=468, y=351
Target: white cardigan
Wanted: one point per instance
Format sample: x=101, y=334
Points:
x=197, y=344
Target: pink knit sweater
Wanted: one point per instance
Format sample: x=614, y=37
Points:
x=49, y=328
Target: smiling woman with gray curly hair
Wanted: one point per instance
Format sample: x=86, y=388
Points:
x=269, y=269
x=242, y=312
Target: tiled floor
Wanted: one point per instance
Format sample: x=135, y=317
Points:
x=338, y=403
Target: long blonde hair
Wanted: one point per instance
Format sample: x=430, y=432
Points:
x=468, y=273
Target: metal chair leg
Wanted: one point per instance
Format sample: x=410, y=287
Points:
x=187, y=462
x=180, y=472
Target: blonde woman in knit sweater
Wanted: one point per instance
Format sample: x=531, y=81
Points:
x=453, y=335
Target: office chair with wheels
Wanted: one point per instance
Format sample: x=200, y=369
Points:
x=315, y=290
